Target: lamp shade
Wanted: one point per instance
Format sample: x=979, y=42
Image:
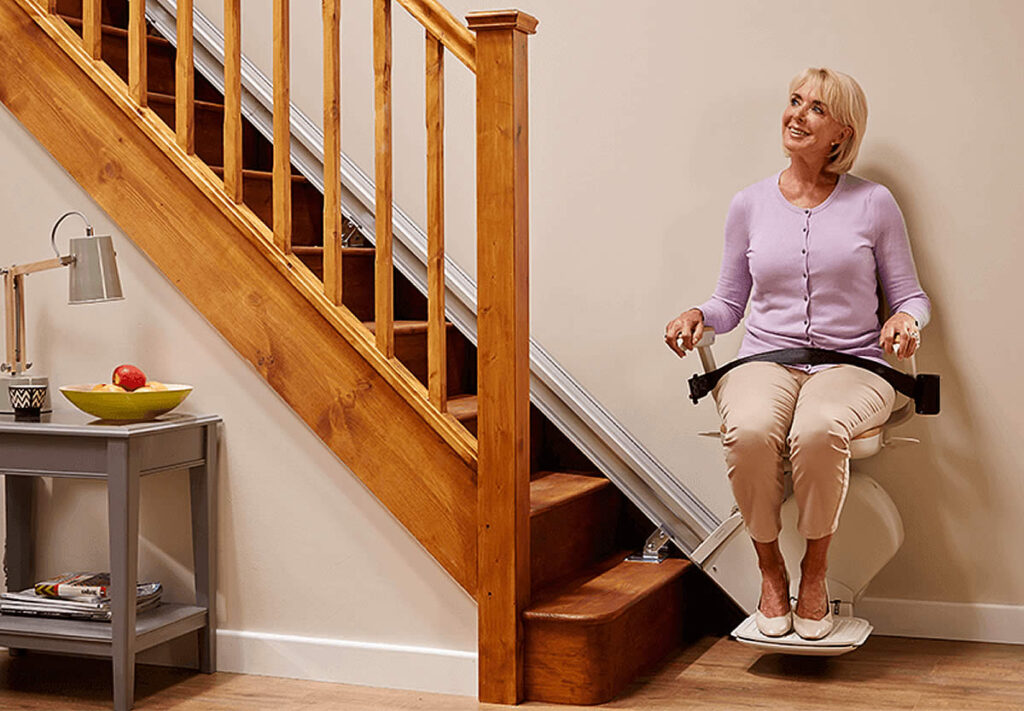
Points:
x=93, y=271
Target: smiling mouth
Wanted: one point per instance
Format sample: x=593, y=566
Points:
x=797, y=133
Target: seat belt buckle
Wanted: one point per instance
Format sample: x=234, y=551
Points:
x=926, y=394
x=698, y=388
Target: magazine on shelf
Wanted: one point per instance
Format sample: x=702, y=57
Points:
x=74, y=584
x=31, y=610
x=90, y=607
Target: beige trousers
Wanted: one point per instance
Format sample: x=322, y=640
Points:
x=766, y=406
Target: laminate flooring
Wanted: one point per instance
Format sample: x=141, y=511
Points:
x=713, y=673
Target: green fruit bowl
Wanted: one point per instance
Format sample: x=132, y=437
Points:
x=125, y=406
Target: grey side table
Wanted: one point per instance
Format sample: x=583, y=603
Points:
x=68, y=444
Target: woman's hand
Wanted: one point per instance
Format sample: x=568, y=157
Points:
x=905, y=326
x=691, y=325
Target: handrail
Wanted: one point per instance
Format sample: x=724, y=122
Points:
x=439, y=22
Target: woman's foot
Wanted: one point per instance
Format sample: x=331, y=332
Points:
x=813, y=617
x=774, y=617
x=812, y=605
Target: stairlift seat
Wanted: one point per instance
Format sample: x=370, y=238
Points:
x=869, y=533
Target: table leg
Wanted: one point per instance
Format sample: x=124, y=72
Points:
x=123, y=513
x=18, y=559
x=203, y=488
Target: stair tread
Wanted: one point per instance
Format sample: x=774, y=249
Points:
x=462, y=407
x=162, y=98
x=116, y=31
x=259, y=174
x=551, y=489
x=316, y=250
x=606, y=591
x=404, y=328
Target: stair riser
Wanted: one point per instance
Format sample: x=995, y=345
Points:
x=569, y=538
x=112, y=13
x=307, y=207
x=160, y=64
x=572, y=663
x=257, y=153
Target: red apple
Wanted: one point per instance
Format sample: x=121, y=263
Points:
x=128, y=377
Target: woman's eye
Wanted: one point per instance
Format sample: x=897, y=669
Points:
x=819, y=110
x=793, y=101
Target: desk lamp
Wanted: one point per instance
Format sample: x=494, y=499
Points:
x=93, y=279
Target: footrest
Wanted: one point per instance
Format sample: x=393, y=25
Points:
x=847, y=634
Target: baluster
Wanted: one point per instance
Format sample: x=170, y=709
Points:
x=92, y=31
x=382, y=111
x=503, y=350
x=332, y=151
x=437, y=364
x=233, y=99
x=282, y=128
x=184, y=95
x=137, y=73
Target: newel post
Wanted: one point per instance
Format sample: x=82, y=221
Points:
x=503, y=355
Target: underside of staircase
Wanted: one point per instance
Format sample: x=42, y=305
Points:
x=595, y=620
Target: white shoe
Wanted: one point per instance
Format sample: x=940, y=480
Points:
x=815, y=629
x=774, y=626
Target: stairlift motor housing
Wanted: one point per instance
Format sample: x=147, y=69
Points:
x=870, y=532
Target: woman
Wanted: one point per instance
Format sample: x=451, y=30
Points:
x=804, y=246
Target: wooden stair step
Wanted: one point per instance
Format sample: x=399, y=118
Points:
x=111, y=13
x=411, y=350
x=463, y=408
x=257, y=152
x=307, y=203
x=572, y=524
x=161, y=57
x=587, y=639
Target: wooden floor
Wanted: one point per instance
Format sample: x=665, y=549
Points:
x=715, y=673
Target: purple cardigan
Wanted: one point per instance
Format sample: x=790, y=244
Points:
x=810, y=272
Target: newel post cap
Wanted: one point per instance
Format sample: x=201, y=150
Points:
x=502, y=19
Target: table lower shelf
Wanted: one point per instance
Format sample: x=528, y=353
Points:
x=153, y=627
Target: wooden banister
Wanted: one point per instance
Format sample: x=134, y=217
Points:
x=384, y=285
x=503, y=378
x=443, y=25
x=282, y=128
x=332, y=150
x=184, y=84
x=137, y=75
x=92, y=31
x=437, y=381
x=233, y=99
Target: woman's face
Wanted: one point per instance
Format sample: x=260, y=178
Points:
x=808, y=127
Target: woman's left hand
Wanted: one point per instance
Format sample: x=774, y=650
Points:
x=910, y=335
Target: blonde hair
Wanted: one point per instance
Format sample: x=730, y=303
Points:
x=846, y=102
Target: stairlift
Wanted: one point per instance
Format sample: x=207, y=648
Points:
x=869, y=534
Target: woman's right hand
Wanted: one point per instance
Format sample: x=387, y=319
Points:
x=691, y=325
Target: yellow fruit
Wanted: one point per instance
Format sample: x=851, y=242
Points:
x=111, y=388
x=144, y=389
x=98, y=386
x=154, y=385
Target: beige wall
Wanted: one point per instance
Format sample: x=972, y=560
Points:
x=645, y=121
x=643, y=125
x=306, y=551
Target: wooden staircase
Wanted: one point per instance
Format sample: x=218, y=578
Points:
x=595, y=620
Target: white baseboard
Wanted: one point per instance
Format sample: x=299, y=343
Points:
x=973, y=622
x=441, y=671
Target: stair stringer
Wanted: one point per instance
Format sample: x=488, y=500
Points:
x=263, y=302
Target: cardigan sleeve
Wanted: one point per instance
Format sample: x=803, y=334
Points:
x=894, y=260
x=724, y=310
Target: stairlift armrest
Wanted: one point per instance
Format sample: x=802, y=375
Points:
x=707, y=358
